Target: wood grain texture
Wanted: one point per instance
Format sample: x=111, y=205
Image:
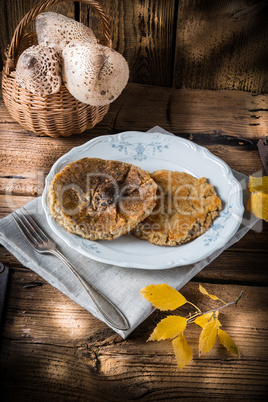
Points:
x=12, y=11
x=219, y=120
x=199, y=44
x=66, y=354
x=143, y=31
x=221, y=45
x=221, y=114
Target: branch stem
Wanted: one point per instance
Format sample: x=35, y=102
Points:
x=213, y=311
x=197, y=309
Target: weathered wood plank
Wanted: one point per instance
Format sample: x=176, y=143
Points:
x=10, y=203
x=50, y=340
x=220, y=45
x=21, y=175
x=220, y=120
x=143, y=33
x=11, y=13
x=63, y=377
x=222, y=113
x=240, y=267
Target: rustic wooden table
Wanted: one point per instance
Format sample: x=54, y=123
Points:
x=52, y=349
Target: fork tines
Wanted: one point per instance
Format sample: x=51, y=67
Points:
x=29, y=228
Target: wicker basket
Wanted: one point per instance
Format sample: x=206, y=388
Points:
x=55, y=115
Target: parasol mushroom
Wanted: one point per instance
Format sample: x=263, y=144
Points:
x=56, y=30
x=39, y=71
x=94, y=74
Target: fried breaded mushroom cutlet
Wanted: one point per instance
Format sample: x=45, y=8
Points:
x=101, y=199
x=185, y=208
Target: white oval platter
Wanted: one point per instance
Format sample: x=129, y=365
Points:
x=154, y=151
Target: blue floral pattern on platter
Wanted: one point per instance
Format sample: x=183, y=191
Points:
x=139, y=151
x=91, y=247
x=217, y=227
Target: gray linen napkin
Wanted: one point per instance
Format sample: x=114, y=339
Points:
x=121, y=285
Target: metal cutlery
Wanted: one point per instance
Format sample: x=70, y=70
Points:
x=44, y=245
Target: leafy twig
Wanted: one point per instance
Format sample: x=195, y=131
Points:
x=164, y=297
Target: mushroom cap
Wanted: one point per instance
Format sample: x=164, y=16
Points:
x=39, y=70
x=94, y=74
x=56, y=30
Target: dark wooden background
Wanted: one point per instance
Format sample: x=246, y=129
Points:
x=200, y=44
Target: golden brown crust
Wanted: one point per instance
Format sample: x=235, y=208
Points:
x=101, y=199
x=185, y=208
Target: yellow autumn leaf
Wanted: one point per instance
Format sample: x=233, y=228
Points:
x=208, y=336
x=203, y=290
x=182, y=350
x=258, y=205
x=227, y=342
x=163, y=296
x=258, y=184
x=168, y=328
x=202, y=320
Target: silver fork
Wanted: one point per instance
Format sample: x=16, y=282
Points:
x=44, y=245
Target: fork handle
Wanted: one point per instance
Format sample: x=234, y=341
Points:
x=109, y=311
